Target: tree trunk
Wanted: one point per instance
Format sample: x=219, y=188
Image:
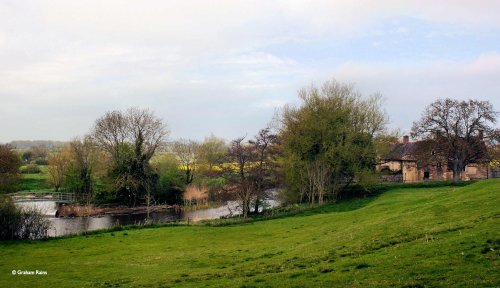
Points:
x=256, y=207
x=457, y=170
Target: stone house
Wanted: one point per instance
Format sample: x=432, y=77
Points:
x=402, y=164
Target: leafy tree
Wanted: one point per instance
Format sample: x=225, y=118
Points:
x=212, y=152
x=27, y=156
x=80, y=175
x=9, y=169
x=171, y=181
x=187, y=153
x=457, y=131
x=85, y=157
x=58, y=168
x=328, y=140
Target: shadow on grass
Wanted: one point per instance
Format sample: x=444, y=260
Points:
x=353, y=199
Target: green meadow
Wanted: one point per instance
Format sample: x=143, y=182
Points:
x=35, y=181
x=404, y=237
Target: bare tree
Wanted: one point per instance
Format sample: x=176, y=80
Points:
x=137, y=127
x=457, y=130
x=253, y=173
x=241, y=154
x=262, y=169
x=187, y=153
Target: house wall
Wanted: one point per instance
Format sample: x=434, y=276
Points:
x=392, y=165
x=475, y=171
x=410, y=171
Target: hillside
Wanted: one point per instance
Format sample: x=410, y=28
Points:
x=407, y=237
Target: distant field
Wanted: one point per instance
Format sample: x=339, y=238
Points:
x=35, y=182
x=405, y=237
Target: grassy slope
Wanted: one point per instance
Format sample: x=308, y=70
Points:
x=444, y=236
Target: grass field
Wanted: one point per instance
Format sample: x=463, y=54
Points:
x=405, y=237
x=35, y=182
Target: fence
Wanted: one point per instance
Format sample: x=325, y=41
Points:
x=48, y=196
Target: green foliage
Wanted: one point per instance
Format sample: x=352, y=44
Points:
x=328, y=141
x=133, y=176
x=41, y=161
x=171, y=182
x=405, y=237
x=130, y=138
x=31, y=169
x=34, y=182
x=73, y=181
x=17, y=223
x=9, y=169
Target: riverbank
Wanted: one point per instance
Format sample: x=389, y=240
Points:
x=419, y=237
x=75, y=210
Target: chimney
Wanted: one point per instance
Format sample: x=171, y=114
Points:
x=480, y=134
x=406, y=139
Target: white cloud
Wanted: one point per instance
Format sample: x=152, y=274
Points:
x=66, y=62
x=408, y=89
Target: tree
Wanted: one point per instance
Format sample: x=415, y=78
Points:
x=328, y=140
x=131, y=138
x=187, y=153
x=80, y=176
x=239, y=181
x=250, y=172
x=264, y=164
x=9, y=169
x=171, y=181
x=58, y=167
x=457, y=130
x=212, y=152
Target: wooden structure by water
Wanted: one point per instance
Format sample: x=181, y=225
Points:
x=58, y=197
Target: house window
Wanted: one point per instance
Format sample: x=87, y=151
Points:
x=438, y=165
x=433, y=153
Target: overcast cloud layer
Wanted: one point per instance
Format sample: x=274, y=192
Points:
x=224, y=67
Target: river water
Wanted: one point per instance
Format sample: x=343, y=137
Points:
x=76, y=225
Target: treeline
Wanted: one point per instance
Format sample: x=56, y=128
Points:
x=320, y=150
x=27, y=144
x=314, y=151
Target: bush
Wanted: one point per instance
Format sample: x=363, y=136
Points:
x=31, y=169
x=21, y=223
x=42, y=161
x=9, y=169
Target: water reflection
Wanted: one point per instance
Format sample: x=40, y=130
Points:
x=65, y=226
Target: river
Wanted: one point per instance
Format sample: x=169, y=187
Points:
x=76, y=225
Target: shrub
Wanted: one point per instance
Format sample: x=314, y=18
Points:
x=31, y=169
x=42, y=161
x=21, y=223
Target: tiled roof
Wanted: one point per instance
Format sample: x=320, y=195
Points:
x=402, y=151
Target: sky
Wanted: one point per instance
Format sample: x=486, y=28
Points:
x=227, y=67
